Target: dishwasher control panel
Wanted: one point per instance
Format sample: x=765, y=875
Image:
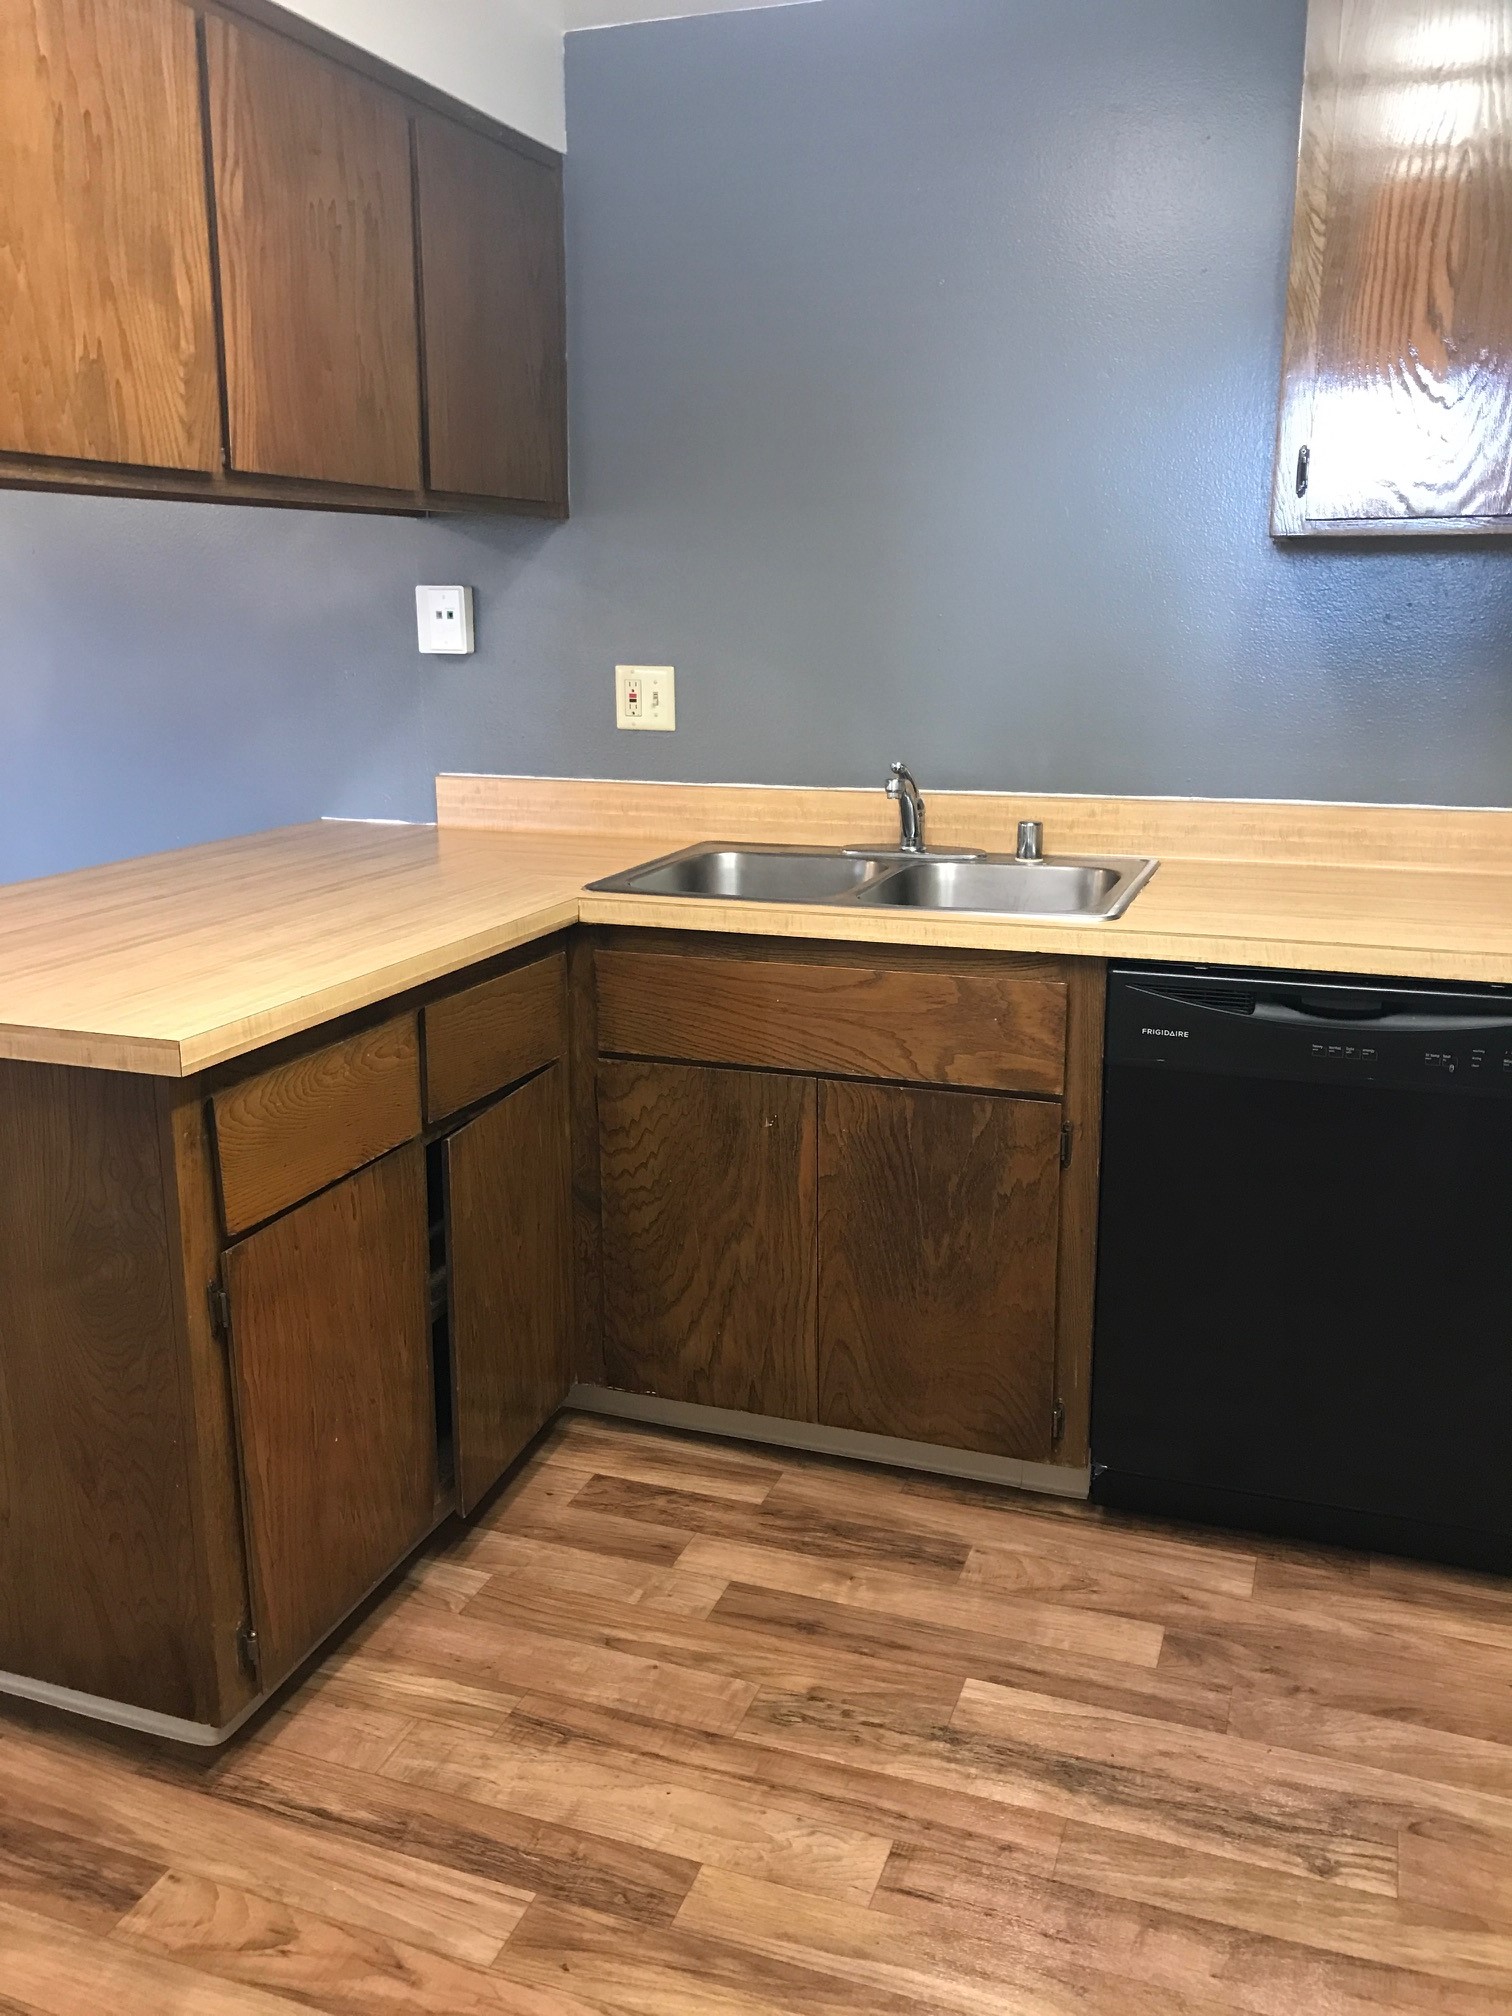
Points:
x=1391, y=1035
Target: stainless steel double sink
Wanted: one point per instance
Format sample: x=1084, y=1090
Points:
x=948, y=882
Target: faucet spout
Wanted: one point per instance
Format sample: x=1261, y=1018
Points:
x=904, y=793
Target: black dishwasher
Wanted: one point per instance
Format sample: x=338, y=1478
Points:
x=1304, y=1304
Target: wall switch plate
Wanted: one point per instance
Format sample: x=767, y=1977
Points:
x=445, y=617
x=645, y=696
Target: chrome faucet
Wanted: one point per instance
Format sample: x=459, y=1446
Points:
x=904, y=793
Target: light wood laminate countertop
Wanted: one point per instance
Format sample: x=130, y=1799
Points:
x=180, y=961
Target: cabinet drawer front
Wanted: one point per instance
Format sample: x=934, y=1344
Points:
x=992, y=1031
x=288, y=1133
x=485, y=1038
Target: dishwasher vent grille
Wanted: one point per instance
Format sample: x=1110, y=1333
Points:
x=1228, y=999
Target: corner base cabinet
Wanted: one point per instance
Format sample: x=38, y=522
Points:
x=262, y=1330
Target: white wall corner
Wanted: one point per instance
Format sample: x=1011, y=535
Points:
x=503, y=57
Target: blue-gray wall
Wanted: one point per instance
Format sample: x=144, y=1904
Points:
x=924, y=357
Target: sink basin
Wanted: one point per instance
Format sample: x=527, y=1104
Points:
x=981, y=885
x=1011, y=888
x=750, y=875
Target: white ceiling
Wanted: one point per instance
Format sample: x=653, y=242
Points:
x=612, y=13
x=504, y=56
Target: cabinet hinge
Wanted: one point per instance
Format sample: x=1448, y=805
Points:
x=1304, y=467
x=1057, y=1424
x=220, y=1311
x=249, y=1652
x=1066, y=1139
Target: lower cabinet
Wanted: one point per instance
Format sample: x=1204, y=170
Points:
x=508, y=1213
x=331, y=1362
x=708, y=1204
x=850, y=1189
x=938, y=1240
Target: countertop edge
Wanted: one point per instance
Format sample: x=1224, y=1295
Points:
x=223, y=1044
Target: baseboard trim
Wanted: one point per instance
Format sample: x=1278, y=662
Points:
x=122, y=1715
x=1050, y=1479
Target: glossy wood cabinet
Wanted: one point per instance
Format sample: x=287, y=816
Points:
x=315, y=246
x=495, y=317
x=938, y=1243
x=709, y=1236
x=245, y=261
x=889, y=1225
x=330, y=1350
x=107, y=325
x=1396, y=404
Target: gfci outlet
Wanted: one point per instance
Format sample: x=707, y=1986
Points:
x=645, y=696
x=445, y=619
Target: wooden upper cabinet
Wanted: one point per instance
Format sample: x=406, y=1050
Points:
x=315, y=224
x=1396, y=410
x=495, y=336
x=107, y=330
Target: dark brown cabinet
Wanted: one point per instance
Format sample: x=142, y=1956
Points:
x=330, y=1350
x=887, y=1225
x=107, y=332
x=938, y=1240
x=508, y=1217
x=495, y=330
x=1396, y=404
x=316, y=254
x=708, y=1192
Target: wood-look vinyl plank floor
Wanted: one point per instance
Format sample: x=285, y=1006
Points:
x=677, y=1728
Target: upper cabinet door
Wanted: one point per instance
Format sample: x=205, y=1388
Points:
x=1396, y=411
x=107, y=331
x=317, y=264
x=495, y=340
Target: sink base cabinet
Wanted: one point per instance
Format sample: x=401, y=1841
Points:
x=887, y=1228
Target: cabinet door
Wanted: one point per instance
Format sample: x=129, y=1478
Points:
x=334, y=1400
x=495, y=332
x=1397, y=395
x=317, y=264
x=107, y=334
x=509, y=1204
x=708, y=1189
x=937, y=1262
